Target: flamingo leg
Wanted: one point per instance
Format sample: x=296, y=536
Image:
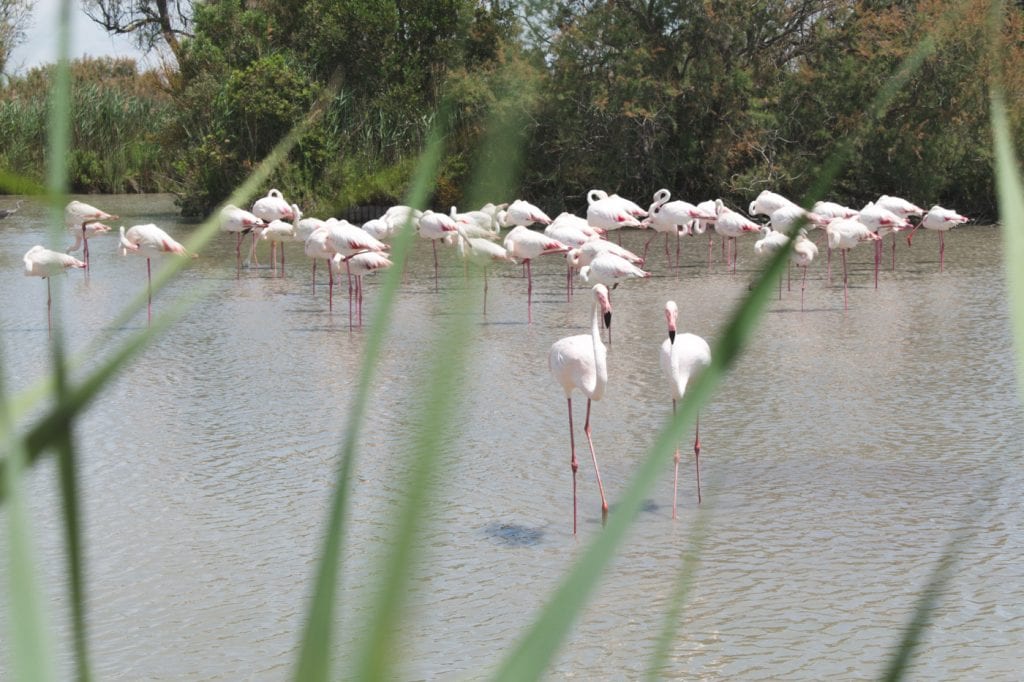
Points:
x=433, y=242
x=878, y=259
x=829, y=262
x=710, y=244
x=845, y=302
x=894, y=252
x=85, y=249
x=330, y=287
x=675, y=477
x=677, y=251
x=314, y=276
x=349, y=273
x=49, y=306
x=600, y=486
x=149, y=291
x=648, y=243
x=668, y=256
x=942, y=249
x=574, y=464
x=529, y=292
x=803, y=285
x=696, y=455
x=238, y=253
x=282, y=260
x=568, y=284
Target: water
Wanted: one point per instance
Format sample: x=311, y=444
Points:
x=841, y=453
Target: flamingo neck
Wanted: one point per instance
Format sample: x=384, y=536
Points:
x=600, y=355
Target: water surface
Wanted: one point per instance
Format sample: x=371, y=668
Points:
x=840, y=455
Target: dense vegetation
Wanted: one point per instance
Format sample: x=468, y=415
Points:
x=708, y=99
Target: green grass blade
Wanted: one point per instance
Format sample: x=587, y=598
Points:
x=314, y=654
x=31, y=648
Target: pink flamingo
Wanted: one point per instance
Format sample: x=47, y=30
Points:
x=581, y=363
x=149, y=240
x=268, y=209
x=363, y=263
x=524, y=245
x=731, y=225
x=683, y=356
x=844, y=234
x=941, y=220
x=42, y=262
x=804, y=253
x=829, y=210
x=671, y=216
x=483, y=253
x=574, y=232
x=346, y=239
x=239, y=221
x=77, y=215
x=610, y=212
x=435, y=226
x=904, y=209
x=881, y=221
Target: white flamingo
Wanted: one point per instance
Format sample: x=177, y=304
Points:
x=148, y=241
x=803, y=254
x=671, y=217
x=42, y=262
x=358, y=265
x=277, y=232
x=435, y=226
x=731, y=224
x=524, y=245
x=683, y=356
x=239, y=221
x=881, y=221
x=903, y=209
x=941, y=220
x=77, y=215
x=483, y=253
x=770, y=243
x=829, y=210
x=269, y=208
x=767, y=202
x=581, y=363
x=844, y=234
x=574, y=232
x=609, y=212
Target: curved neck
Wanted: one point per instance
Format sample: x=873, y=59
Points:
x=600, y=357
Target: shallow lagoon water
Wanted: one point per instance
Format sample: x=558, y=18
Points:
x=841, y=454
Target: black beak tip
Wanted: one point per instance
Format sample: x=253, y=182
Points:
x=608, y=320
x=671, y=335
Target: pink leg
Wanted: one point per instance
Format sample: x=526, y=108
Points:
x=803, y=285
x=942, y=249
x=85, y=250
x=149, y=287
x=696, y=456
x=894, y=252
x=878, y=259
x=575, y=467
x=529, y=293
x=282, y=260
x=485, y=291
x=600, y=486
x=845, y=302
x=829, y=262
x=433, y=242
x=49, y=306
x=648, y=243
x=330, y=287
x=238, y=253
x=314, y=276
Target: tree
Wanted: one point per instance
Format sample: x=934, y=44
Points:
x=149, y=21
x=14, y=15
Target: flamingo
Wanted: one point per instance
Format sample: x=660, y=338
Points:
x=77, y=215
x=941, y=220
x=88, y=231
x=278, y=232
x=844, y=234
x=574, y=232
x=782, y=220
x=731, y=225
x=346, y=239
x=435, y=226
x=268, y=209
x=701, y=225
x=524, y=245
x=768, y=202
x=609, y=212
x=149, y=240
x=770, y=243
x=881, y=221
x=316, y=248
x=683, y=356
x=357, y=265
x=902, y=208
x=580, y=363
x=42, y=262
x=667, y=217
x=485, y=220
x=522, y=213
x=483, y=253
x=829, y=210
x=804, y=253
x=239, y=221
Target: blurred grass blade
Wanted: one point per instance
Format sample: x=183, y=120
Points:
x=314, y=654
x=31, y=649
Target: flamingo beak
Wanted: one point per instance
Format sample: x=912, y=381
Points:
x=608, y=319
x=671, y=335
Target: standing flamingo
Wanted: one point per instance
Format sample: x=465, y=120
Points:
x=671, y=216
x=268, y=209
x=574, y=232
x=483, y=253
x=42, y=262
x=881, y=221
x=581, y=363
x=683, y=356
x=769, y=244
x=315, y=247
x=149, y=240
x=844, y=234
x=357, y=265
x=524, y=245
x=277, y=232
x=941, y=220
x=903, y=209
x=346, y=239
x=610, y=212
x=522, y=213
x=435, y=226
x=768, y=202
x=77, y=215
x=731, y=225
x=239, y=221
x=804, y=253
x=829, y=210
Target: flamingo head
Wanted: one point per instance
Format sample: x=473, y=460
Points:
x=671, y=315
x=601, y=297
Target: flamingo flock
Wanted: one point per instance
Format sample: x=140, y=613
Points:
x=578, y=362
